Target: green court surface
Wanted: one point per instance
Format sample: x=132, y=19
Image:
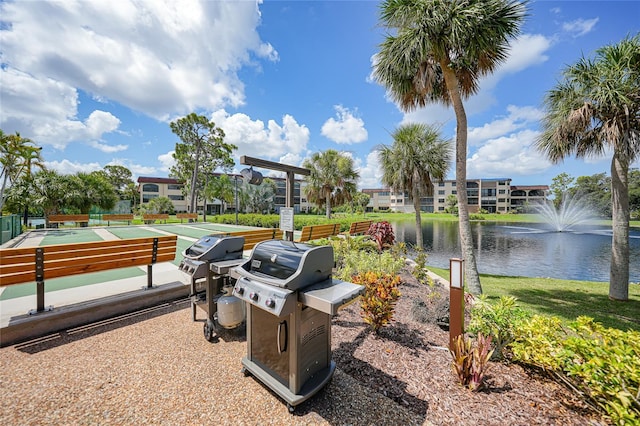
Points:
x=66, y=236
x=133, y=232
x=187, y=231
x=28, y=289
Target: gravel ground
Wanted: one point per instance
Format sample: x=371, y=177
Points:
x=155, y=367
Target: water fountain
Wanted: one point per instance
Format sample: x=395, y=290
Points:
x=572, y=212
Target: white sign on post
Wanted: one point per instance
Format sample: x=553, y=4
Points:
x=286, y=219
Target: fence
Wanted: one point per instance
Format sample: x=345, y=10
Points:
x=10, y=226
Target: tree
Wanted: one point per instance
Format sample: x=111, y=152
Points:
x=51, y=192
x=594, y=191
x=18, y=156
x=218, y=187
x=361, y=201
x=158, y=205
x=258, y=198
x=92, y=189
x=438, y=53
x=452, y=204
x=594, y=108
x=560, y=185
x=634, y=191
x=202, y=150
x=332, y=181
x=418, y=156
x=120, y=178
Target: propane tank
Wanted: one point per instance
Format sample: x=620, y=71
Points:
x=230, y=309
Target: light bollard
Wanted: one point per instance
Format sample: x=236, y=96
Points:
x=456, y=299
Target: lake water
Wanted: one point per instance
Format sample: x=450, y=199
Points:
x=525, y=249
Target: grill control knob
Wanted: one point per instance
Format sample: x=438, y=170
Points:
x=240, y=291
x=270, y=303
x=253, y=296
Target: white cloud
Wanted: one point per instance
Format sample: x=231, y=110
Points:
x=108, y=148
x=517, y=118
x=67, y=167
x=579, y=27
x=139, y=54
x=167, y=161
x=255, y=139
x=370, y=171
x=507, y=156
x=347, y=129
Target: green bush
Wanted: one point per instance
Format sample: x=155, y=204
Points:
x=356, y=262
x=499, y=320
x=602, y=362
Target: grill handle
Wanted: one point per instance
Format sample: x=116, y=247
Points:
x=286, y=336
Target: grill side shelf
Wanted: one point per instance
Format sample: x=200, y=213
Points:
x=330, y=295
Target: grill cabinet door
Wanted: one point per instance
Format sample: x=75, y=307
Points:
x=270, y=343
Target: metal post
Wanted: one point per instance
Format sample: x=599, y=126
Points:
x=39, y=279
x=236, y=179
x=456, y=299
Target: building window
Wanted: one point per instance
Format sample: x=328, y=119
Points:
x=176, y=197
x=454, y=192
x=440, y=183
x=441, y=200
x=502, y=191
x=147, y=197
x=441, y=192
x=150, y=187
x=174, y=187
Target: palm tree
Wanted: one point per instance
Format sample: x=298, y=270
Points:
x=418, y=156
x=596, y=108
x=18, y=157
x=332, y=181
x=438, y=53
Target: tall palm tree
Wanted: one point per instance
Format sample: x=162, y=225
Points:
x=596, y=108
x=438, y=52
x=418, y=156
x=332, y=181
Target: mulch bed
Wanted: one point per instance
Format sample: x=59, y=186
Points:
x=408, y=361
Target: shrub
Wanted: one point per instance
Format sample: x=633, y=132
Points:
x=356, y=262
x=602, y=362
x=499, y=320
x=471, y=359
x=420, y=271
x=382, y=233
x=380, y=296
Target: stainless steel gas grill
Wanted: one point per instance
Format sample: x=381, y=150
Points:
x=290, y=299
x=205, y=266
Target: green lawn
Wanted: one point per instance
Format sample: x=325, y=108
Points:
x=566, y=299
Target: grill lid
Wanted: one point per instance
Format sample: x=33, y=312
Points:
x=211, y=247
x=287, y=264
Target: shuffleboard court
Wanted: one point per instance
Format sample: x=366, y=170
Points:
x=67, y=236
x=134, y=232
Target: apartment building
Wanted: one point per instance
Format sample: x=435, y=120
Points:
x=494, y=195
x=152, y=187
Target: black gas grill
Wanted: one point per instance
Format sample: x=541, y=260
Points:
x=205, y=266
x=290, y=299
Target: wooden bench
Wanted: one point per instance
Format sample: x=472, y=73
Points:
x=23, y=265
x=181, y=216
x=358, y=228
x=118, y=218
x=62, y=218
x=253, y=237
x=314, y=232
x=149, y=218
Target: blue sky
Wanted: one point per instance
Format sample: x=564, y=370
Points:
x=97, y=83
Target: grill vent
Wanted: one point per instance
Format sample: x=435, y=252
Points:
x=318, y=331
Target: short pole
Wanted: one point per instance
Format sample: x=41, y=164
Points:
x=456, y=299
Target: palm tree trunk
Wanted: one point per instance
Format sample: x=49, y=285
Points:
x=619, y=270
x=472, y=277
x=416, y=207
x=327, y=203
